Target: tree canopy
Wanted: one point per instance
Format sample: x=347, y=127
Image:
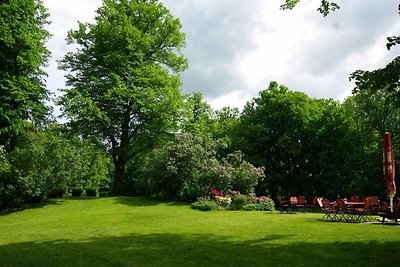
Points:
x=123, y=78
x=22, y=54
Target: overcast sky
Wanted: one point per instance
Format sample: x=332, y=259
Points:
x=236, y=47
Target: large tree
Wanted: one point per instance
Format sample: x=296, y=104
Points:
x=124, y=78
x=22, y=54
x=307, y=146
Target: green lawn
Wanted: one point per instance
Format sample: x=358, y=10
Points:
x=144, y=232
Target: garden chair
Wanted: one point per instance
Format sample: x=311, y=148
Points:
x=331, y=213
x=313, y=206
x=293, y=202
x=301, y=203
x=363, y=214
x=284, y=204
x=374, y=205
x=353, y=199
x=344, y=213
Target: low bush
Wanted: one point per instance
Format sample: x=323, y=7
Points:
x=205, y=205
x=238, y=202
x=47, y=162
x=268, y=206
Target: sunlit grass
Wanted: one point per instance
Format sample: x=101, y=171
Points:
x=145, y=232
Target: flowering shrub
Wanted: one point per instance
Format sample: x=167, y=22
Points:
x=188, y=167
x=236, y=193
x=215, y=192
x=223, y=201
x=236, y=201
x=260, y=203
x=252, y=198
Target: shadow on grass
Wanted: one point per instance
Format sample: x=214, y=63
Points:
x=138, y=201
x=197, y=250
x=31, y=206
x=147, y=201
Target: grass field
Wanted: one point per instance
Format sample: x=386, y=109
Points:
x=145, y=232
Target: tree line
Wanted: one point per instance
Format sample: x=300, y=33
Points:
x=130, y=131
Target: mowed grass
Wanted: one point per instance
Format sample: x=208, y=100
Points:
x=146, y=232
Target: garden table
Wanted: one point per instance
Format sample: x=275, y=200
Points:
x=355, y=204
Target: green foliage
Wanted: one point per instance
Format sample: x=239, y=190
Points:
x=376, y=110
x=325, y=8
x=258, y=206
x=204, y=205
x=383, y=83
x=190, y=167
x=226, y=120
x=198, y=116
x=244, y=176
x=9, y=187
x=306, y=146
x=49, y=163
x=289, y=4
x=22, y=53
x=238, y=201
x=124, y=78
x=392, y=41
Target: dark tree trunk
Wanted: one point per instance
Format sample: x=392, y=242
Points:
x=119, y=187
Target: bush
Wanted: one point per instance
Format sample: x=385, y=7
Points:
x=205, y=205
x=49, y=163
x=189, y=167
x=244, y=176
x=223, y=201
x=267, y=205
x=238, y=202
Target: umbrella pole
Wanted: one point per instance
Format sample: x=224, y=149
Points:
x=391, y=204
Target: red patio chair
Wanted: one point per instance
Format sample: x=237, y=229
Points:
x=374, y=206
x=313, y=206
x=331, y=213
x=353, y=199
x=284, y=204
x=301, y=203
x=344, y=213
x=363, y=214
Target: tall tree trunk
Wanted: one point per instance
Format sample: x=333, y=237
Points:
x=119, y=187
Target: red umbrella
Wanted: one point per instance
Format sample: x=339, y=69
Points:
x=388, y=168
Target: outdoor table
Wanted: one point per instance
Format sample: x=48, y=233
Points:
x=352, y=204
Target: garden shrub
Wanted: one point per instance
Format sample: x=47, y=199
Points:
x=244, y=175
x=223, y=201
x=238, y=202
x=189, y=167
x=205, y=205
x=266, y=204
x=47, y=162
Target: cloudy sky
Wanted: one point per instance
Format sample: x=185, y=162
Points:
x=236, y=47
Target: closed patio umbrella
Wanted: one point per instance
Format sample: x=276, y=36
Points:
x=389, y=169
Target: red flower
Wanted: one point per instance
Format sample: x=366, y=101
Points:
x=215, y=192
